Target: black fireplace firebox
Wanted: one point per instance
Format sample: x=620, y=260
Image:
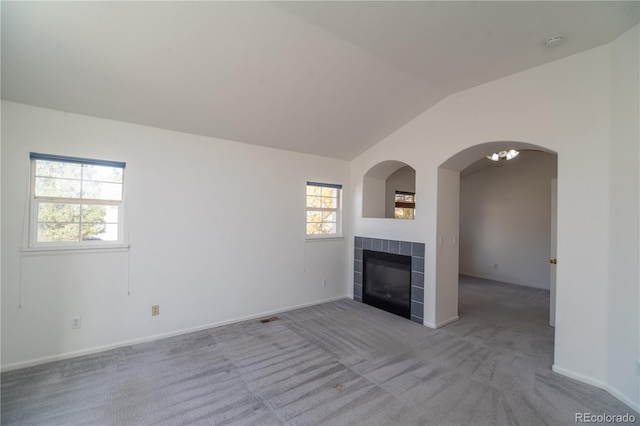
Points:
x=387, y=282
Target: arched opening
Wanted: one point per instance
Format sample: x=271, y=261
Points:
x=495, y=226
x=389, y=191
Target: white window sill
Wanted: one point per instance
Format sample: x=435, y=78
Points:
x=314, y=238
x=75, y=250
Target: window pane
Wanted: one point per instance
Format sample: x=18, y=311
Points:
x=402, y=213
x=329, y=192
x=328, y=228
x=329, y=203
x=328, y=216
x=314, y=201
x=314, y=190
x=408, y=198
x=57, y=169
x=102, y=173
x=61, y=232
x=314, y=228
x=58, y=212
x=99, y=223
x=101, y=191
x=99, y=213
x=53, y=187
x=314, y=216
x=99, y=232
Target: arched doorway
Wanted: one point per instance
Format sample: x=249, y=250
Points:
x=448, y=222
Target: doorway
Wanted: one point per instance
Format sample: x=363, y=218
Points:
x=506, y=217
x=494, y=221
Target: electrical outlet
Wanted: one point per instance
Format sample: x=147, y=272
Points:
x=76, y=322
x=155, y=310
x=638, y=367
x=324, y=283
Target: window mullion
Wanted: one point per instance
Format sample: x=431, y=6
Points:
x=81, y=193
x=78, y=201
x=80, y=225
x=81, y=181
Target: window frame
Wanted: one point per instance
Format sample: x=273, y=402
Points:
x=337, y=210
x=35, y=202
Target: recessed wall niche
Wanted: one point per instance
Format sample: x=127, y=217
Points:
x=388, y=191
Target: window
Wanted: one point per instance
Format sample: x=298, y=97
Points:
x=76, y=201
x=323, y=209
x=405, y=205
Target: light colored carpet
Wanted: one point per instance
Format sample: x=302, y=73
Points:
x=332, y=364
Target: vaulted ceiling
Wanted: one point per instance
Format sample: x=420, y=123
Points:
x=326, y=78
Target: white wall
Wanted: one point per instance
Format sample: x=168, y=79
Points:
x=624, y=246
x=374, y=196
x=217, y=233
x=505, y=220
x=565, y=107
x=403, y=179
x=447, y=242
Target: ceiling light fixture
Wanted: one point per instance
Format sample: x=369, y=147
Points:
x=552, y=42
x=503, y=155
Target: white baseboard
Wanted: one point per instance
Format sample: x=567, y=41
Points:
x=74, y=354
x=578, y=376
x=442, y=323
x=634, y=405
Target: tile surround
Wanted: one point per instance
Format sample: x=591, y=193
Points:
x=406, y=248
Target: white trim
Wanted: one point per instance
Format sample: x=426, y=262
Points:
x=32, y=251
x=441, y=323
x=597, y=383
x=74, y=354
x=323, y=237
x=619, y=395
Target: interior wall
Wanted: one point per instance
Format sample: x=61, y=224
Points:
x=505, y=220
x=565, y=107
x=217, y=234
x=447, y=242
x=373, y=196
x=623, y=344
x=403, y=179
